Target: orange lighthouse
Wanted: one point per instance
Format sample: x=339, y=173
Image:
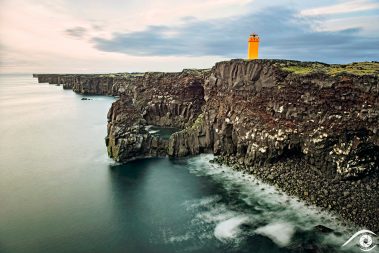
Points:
x=252, y=48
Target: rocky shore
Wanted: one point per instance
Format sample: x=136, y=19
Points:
x=309, y=128
x=90, y=84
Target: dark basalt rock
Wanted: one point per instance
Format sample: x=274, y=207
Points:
x=308, y=128
x=91, y=84
x=127, y=137
x=312, y=135
x=162, y=99
x=261, y=114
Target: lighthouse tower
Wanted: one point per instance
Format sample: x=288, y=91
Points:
x=252, y=48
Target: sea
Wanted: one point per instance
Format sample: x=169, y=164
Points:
x=59, y=191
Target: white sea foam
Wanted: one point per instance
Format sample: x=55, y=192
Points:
x=267, y=203
x=104, y=159
x=202, y=202
x=230, y=228
x=180, y=238
x=279, y=232
x=148, y=128
x=216, y=214
x=256, y=193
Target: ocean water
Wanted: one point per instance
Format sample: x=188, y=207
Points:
x=59, y=192
x=163, y=132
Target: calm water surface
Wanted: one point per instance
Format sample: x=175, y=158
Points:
x=60, y=193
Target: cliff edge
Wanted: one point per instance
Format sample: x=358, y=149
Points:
x=309, y=128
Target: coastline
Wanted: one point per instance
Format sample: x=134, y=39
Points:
x=354, y=201
x=301, y=141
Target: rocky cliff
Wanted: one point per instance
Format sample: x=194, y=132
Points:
x=258, y=112
x=309, y=128
x=91, y=84
x=161, y=99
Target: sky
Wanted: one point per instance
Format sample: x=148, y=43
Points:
x=94, y=36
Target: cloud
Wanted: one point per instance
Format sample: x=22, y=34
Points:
x=76, y=32
x=346, y=7
x=284, y=34
x=185, y=34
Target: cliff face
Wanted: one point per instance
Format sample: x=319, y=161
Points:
x=309, y=128
x=162, y=99
x=91, y=84
x=127, y=137
x=257, y=113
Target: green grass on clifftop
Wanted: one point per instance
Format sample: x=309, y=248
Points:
x=356, y=68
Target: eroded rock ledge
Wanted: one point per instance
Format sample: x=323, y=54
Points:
x=309, y=128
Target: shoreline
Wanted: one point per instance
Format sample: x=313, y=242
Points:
x=309, y=128
x=344, y=198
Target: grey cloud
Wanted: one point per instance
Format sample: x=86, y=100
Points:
x=76, y=32
x=283, y=35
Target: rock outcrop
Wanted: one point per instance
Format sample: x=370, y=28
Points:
x=161, y=99
x=259, y=113
x=127, y=137
x=309, y=128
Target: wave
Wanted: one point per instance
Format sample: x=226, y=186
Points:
x=230, y=228
x=263, y=208
x=279, y=232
